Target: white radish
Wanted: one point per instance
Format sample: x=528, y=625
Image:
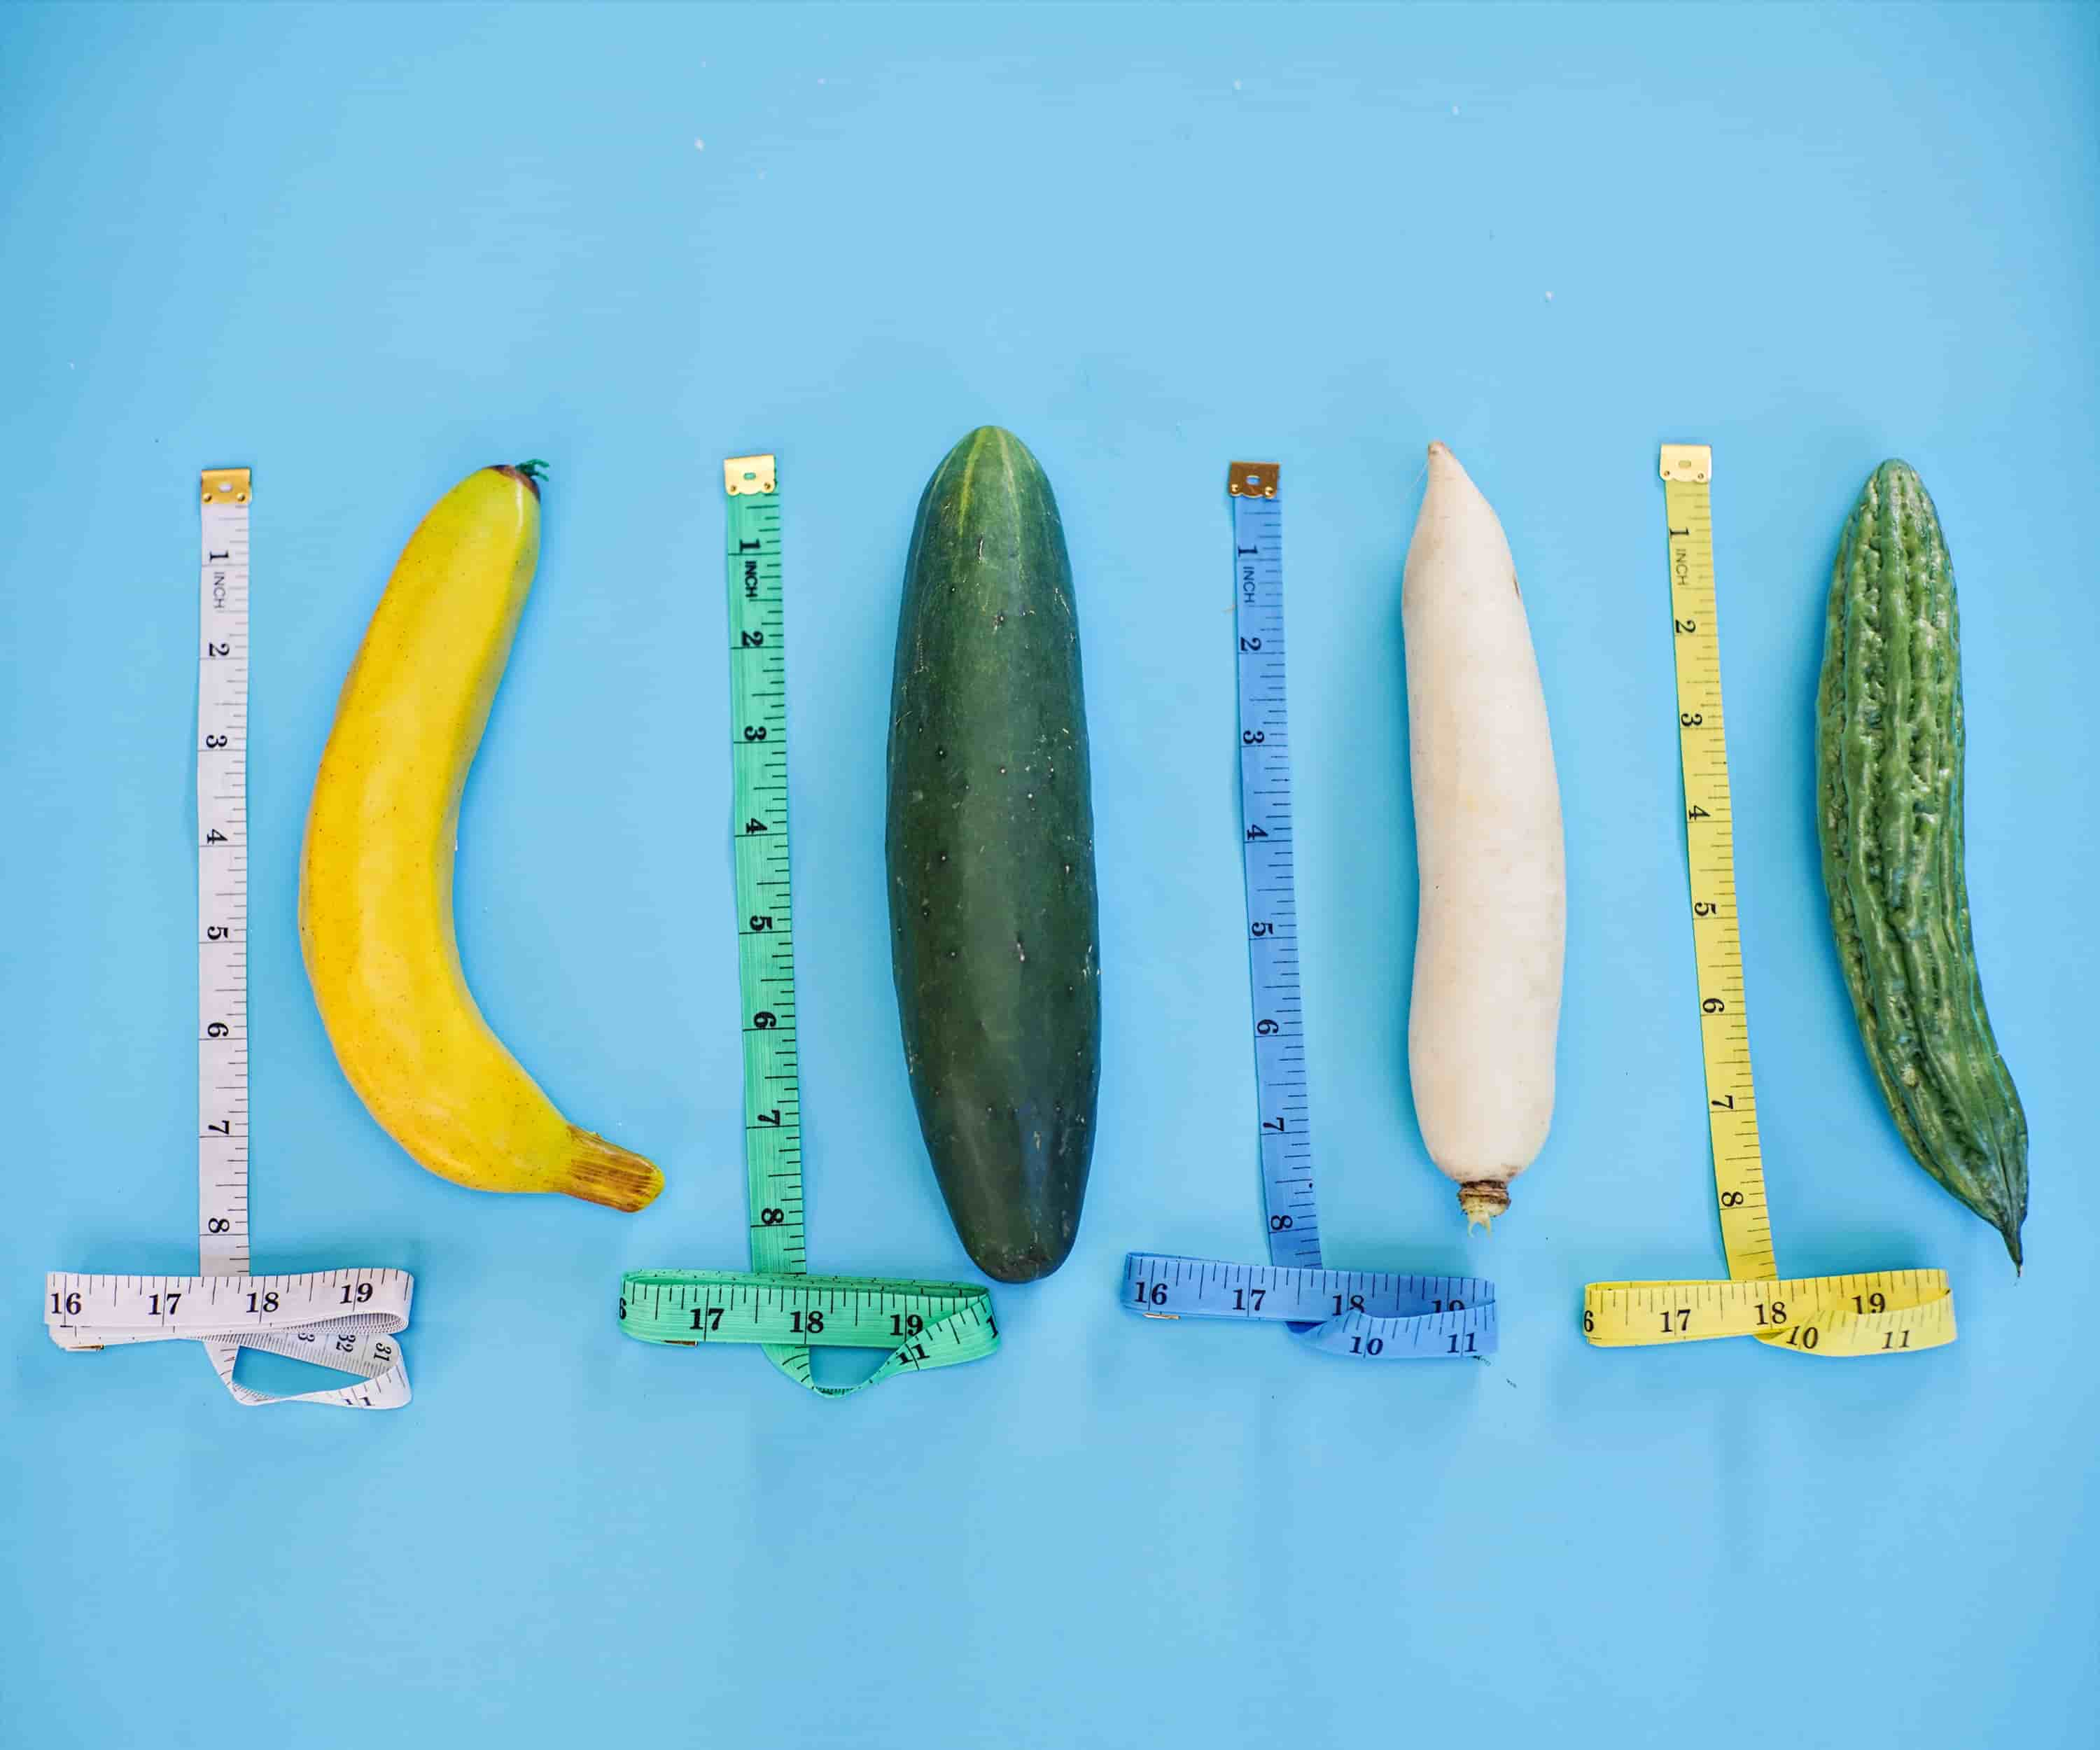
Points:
x=1493, y=923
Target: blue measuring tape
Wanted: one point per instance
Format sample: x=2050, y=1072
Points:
x=1346, y=1313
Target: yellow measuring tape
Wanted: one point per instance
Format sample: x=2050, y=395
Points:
x=1886, y=1312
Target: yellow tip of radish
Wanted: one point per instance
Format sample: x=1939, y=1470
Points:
x=1482, y=1200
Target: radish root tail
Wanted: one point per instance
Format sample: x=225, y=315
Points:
x=1482, y=1200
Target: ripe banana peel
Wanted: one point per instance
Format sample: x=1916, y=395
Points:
x=376, y=871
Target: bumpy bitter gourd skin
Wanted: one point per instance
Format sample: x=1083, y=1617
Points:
x=1889, y=760
x=993, y=920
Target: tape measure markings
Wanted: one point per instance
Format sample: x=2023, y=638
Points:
x=924, y=1325
x=342, y=1319
x=221, y=799
x=1373, y=1316
x=1362, y=1315
x=776, y=1304
x=1283, y=1098
x=1882, y=1312
x=1710, y=860
x=339, y=1319
x=766, y=957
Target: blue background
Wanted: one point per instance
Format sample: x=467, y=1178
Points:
x=367, y=249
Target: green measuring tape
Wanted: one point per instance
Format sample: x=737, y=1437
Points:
x=777, y=1304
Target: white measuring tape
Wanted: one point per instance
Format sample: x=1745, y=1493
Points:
x=341, y=1319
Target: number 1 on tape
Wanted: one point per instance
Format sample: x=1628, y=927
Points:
x=1372, y=1316
x=341, y=1318
x=1885, y=1312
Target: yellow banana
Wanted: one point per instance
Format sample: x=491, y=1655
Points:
x=376, y=872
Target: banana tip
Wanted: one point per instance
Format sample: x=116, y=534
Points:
x=606, y=1174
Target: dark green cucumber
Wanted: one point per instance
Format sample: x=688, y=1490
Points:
x=990, y=842
x=1889, y=761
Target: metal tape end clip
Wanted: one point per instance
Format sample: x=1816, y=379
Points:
x=1692, y=463
x=743, y=475
x=1254, y=480
x=225, y=486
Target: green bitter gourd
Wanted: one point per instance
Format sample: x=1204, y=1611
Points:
x=1889, y=759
